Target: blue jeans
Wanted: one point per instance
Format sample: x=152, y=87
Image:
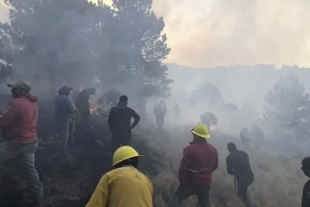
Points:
x=24, y=155
x=182, y=193
x=63, y=133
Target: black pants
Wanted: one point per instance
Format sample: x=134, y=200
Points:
x=183, y=192
x=120, y=139
x=243, y=195
x=85, y=118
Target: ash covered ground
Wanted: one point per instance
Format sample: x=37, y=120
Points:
x=67, y=182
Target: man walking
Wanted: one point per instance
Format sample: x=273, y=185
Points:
x=160, y=111
x=245, y=137
x=18, y=122
x=257, y=135
x=238, y=165
x=64, y=111
x=120, y=123
x=199, y=161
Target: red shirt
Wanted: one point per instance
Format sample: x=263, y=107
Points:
x=199, y=161
x=19, y=120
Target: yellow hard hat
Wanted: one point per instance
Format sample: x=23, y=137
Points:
x=201, y=130
x=124, y=153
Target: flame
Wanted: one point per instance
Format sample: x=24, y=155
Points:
x=212, y=128
x=93, y=110
x=81, y=88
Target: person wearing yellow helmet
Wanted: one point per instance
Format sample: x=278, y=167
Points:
x=199, y=161
x=125, y=185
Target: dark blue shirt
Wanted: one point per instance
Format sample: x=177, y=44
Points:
x=63, y=107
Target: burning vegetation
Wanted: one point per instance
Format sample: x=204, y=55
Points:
x=93, y=110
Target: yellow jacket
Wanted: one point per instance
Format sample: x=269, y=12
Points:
x=123, y=187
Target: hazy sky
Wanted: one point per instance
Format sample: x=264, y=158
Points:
x=209, y=33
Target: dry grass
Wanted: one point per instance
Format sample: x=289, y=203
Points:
x=278, y=182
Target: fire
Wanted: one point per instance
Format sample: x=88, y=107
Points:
x=93, y=110
x=212, y=128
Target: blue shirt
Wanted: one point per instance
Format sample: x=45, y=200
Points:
x=63, y=107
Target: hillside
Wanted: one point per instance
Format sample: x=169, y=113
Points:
x=278, y=181
x=238, y=84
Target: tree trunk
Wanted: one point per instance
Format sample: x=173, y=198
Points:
x=140, y=84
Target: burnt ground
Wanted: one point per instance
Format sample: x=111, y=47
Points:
x=68, y=182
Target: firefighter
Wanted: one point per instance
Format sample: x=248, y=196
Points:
x=19, y=129
x=199, y=161
x=64, y=111
x=245, y=137
x=125, y=185
x=258, y=136
x=82, y=104
x=120, y=123
x=305, y=167
x=160, y=110
x=238, y=165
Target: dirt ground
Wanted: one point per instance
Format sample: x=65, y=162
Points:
x=70, y=183
x=67, y=182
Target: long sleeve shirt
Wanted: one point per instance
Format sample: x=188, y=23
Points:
x=125, y=186
x=199, y=161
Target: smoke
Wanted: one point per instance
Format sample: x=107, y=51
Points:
x=4, y=12
x=213, y=33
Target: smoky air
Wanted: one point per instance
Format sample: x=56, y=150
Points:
x=141, y=104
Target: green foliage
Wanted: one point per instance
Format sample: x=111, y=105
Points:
x=6, y=53
x=208, y=119
x=50, y=37
x=288, y=110
x=206, y=93
x=229, y=107
x=74, y=41
x=110, y=97
x=108, y=100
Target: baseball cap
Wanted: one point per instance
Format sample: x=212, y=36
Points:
x=65, y=89
x=68, y=88
x=21, y=84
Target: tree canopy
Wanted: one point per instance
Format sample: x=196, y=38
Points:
x=74, y=41
x=206, y=93
x=6, y=53
x=288, y=110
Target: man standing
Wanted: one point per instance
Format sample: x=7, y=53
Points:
x=199, y=161
x=18, y=122
x=64, y=110
x=258, y=136
x=125, y=185
x=120, y=123
x=238, y=165
x=245, y=137
x=305, y=167
x=82, y=104
x=160, y=110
